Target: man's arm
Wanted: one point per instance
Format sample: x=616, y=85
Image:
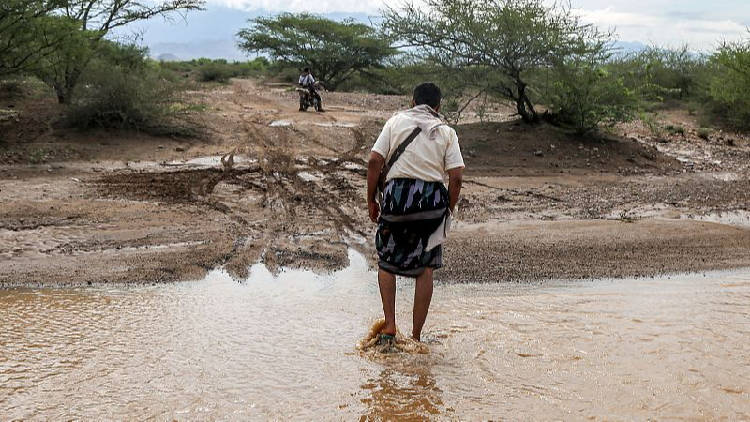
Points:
x=455, y=181
x=374, y=166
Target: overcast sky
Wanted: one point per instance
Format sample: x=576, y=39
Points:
x=664, y=22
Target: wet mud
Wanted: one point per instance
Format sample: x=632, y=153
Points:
x=130, y=208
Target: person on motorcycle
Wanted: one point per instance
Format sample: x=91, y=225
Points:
x=307, y=81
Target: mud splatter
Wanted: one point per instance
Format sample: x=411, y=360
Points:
x=371, y=345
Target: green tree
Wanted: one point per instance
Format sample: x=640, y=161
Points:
x=95, y=19
x=336, y=51
x=676, y=69
x=729, y=86
x=584, y=92
x=504, y=44
x=586, y=95
x=122, y=89
x=28, y=34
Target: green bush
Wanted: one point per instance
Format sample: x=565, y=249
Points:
x=221, y=71
x=215, y=72
x=130, y=94
x=585, y=95
x=675, y=130
x=729, y=86
x=653, y=123
x=704, y=133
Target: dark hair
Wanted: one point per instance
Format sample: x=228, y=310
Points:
x=307, y=69
x=427, y=93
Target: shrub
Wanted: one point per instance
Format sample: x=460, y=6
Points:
x=729, y=87
x=585, y=95
x=653, y=123
x=215, y=72
x=675, y=130
x=221, y=71
x=127, y=95
x=704, y=133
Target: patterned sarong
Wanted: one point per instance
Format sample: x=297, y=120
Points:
x=411, y=210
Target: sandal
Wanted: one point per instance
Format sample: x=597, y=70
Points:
x=386, y=339
x=387, y=343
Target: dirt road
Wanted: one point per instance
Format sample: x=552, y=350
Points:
x=136, y=209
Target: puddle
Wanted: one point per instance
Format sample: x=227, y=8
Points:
x=724, y=177
x=336, y=124
x=353, y=166
x=281, y=123
x=211, y=161
x=731, y=218
x=44, y=240
x=311, y=177
x=285, y=347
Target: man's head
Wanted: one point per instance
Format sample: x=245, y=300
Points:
x=427, y=93
x=306, y=70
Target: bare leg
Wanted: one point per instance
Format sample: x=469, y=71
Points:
x=422, y=298
x=387, y=282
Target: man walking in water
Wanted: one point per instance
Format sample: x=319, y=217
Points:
x=415, y=152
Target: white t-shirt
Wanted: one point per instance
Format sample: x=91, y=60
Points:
x=427, y=158
x=306, y=80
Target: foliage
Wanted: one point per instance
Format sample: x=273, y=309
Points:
x=503, y=44
x=18, y=29
x=121, y=92
x=88, y=22
x=672, y=71
x=586, y=95
x=658, y=74
x=61, y=68
x=336, y=51
x=217, y=70
x=729, y=87
x=676, y=130
x=30, y=33
x=653, y=123
x=705, y=133
x=222, y=71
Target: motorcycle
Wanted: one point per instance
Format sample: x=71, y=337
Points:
x=307, y=99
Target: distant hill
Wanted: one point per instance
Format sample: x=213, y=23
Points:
x=197, y=48
x=626, y=47
x=167, y=57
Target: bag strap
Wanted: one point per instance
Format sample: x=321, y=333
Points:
x=401, y=148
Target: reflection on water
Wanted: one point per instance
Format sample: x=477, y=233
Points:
x=406, y=394
x=284, y=347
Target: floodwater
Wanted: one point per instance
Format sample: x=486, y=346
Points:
x=285, y=348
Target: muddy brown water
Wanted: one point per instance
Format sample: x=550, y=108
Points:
x=284, y=348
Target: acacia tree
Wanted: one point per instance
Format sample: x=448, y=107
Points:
x=28, y=34
x=585, y=94
x=336, y=51
x=508, y=41
x=729, y=86
x=94, y=19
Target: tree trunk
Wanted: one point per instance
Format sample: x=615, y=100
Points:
x=63, y=95
x=524, y=106
x=64, y=91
